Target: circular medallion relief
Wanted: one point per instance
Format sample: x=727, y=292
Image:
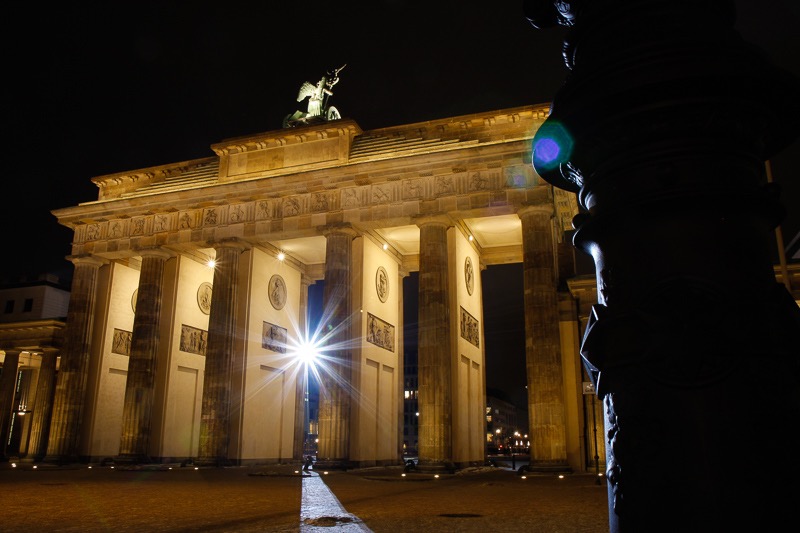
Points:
x=204, y=297
x=133, y=300
x=277, y=291
x=469, y=275
x=382, y=284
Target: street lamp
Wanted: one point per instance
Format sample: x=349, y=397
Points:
x=306, y=353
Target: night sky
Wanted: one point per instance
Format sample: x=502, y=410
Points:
x=93, y=90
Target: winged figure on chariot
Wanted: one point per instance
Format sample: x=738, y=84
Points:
x=318, y=95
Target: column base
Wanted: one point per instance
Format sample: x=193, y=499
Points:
x=332, y=464
x=435, y=467
x=61, y=460
x=217, y=462
x=132, y=459
x=546, y=468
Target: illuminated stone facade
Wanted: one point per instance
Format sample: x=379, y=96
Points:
x=151, y=370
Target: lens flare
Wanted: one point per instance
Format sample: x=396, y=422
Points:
x=546, y=150
x=552, y=146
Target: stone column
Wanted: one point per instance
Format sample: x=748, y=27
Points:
x=8, y=385
x=401, y=361
x=693, y=344
x=434, y=355
x=335, y=383
x=141, y=380
x=215, y=415
x=546, y=414
x=300, y=421
x=43, y=405
x=64, y=439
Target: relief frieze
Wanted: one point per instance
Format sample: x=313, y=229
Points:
x=161, y=223
x=469, y=328
x=381, y=194
x=320, y=202
x=478, y=182
x=137, y=226
x=265, y=210
x=412, y=189
x=116, y=229
x=350, y=197
x=237, y=213
x=210, y=216
x=566, y=208
x=92, y=232
x=445, y=185
x=273, y=337
x=291, y=206
x=193, y=340
x=186, y=221
x=518, y=176
x=380, y=333
x=121, y=343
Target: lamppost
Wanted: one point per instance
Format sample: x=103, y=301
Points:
x=588, y=389
x=305, y=354
x=513, y=446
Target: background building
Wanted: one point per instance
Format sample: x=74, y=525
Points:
x=31, y=334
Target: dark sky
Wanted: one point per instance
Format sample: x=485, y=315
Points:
x=115, y=86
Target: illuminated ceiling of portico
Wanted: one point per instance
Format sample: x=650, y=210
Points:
x=502, y=231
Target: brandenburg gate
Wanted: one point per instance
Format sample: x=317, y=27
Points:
x=190, y=294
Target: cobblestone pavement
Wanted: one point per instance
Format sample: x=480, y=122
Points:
x=270, y=499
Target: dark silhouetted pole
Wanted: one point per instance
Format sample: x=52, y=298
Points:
x=662, y=129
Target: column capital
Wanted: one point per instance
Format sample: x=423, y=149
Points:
x=156, y=251
x=234, y=243
x=345, y=228
x=536, y=209
x=438, y=219
x=87, y=259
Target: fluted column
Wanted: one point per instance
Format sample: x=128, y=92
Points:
x=434, y=356
x=64, y=438
x=140, y=385
x=8, y=382
x=215, y=416
x=300, y=419
x=43, y=405
x=335, y=382
x=546, y=414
